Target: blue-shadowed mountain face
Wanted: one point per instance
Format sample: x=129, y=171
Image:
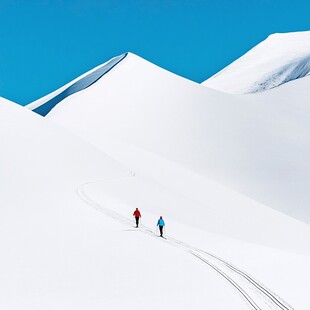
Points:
x=81, y=84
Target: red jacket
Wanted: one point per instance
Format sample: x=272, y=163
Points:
x=137, y=213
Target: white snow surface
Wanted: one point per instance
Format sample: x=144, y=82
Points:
x=281, y=58
x=259, y=148
x=68, y=240
x=60, y=253
x=219, y=168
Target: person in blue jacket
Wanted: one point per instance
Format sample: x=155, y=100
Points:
x=161, y=224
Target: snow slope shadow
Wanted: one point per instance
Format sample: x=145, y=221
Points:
x=79, y=85
x=257, y=296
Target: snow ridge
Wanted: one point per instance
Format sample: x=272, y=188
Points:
x=82, y=83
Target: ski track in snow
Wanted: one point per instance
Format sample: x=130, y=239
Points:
x=256, y=295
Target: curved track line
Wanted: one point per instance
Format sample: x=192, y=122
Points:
x=276, y=301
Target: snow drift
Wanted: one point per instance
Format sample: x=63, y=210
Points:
x=281, y=58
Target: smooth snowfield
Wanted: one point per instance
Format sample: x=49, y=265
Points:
x=281, y=58
x=263, y=262
x=254, y=148
x=59, y=253
x=68, y=241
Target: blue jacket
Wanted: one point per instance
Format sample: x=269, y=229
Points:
x=160, y=222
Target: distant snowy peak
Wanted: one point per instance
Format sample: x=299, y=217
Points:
x=281, y=58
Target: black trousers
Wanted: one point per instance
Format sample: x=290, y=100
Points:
x=137, y=220
x=161, y=230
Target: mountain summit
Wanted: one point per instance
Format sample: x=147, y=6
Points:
x=279, y=59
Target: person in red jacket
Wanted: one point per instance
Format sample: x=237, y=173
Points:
x=137, y=216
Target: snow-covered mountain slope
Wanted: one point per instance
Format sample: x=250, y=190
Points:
x=59, y=253
x=67, y=238
x=281, y=58
x=254, y=148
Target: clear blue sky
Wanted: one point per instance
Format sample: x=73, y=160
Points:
x=47, y=43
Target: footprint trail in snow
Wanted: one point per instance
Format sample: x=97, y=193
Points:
x=257, y=296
